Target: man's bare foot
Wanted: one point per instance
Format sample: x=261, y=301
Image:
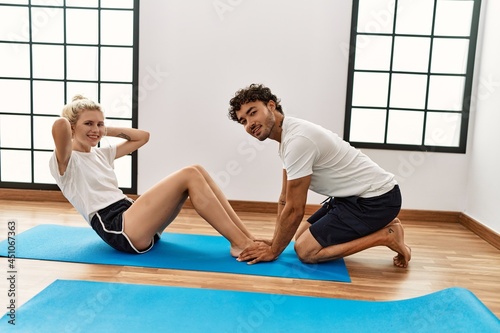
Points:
x=393, y=222
x=397, y=244
x=400, y=260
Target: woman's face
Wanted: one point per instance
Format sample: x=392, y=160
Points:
x=88, y=130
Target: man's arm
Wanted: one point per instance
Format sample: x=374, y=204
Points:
x=282, y=198
x=281, y=205
x=286, y=225
x=291, y=214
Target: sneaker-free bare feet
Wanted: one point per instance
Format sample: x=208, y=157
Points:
x=235, y=250
x=397, y=244
x=400, y=260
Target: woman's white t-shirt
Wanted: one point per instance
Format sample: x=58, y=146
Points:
x=89, y=182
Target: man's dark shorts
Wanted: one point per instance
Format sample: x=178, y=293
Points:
x=341, y=220
x=108, y=224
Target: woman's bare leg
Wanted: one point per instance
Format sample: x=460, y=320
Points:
x=223, y=200
x=160, y=204
x=174, y=214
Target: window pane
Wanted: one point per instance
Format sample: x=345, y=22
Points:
x=375, y=16
x=117, y=3
x=47, y=24
x=82, y=63
x=116, y=64
x=15, y=60
x=82, y=3
x=117, y=100
x=443, y=129
x=408, y=91
x=123, y=169
x=15, y=131
x=42, y=132
x=405, y=127
x=41, y=168
x=47, y=2
x=48, y=97
x=88, y=90
x=117, y=27
x=449, y=55
x=16, y=2
x=446, y=93
x=370, y=89
x=81, y=26
x=367, y=125
x=414, y=17
x=13, y=25
x=373, y=52
x=411, y=54
x=123, y=165
x=48, y=61
x=457, y=24
x=108, y=140
x=16, y=166
x=18, y=92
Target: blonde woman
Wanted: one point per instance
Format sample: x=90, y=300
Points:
x=85, y=175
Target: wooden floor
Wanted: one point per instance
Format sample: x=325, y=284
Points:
x=444, y=255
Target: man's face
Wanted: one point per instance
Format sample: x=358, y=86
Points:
x=257, y=118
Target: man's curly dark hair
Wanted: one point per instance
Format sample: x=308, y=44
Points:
x=252, y=93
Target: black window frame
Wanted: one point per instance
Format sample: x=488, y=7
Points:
x=134, y=85
x=467, y=96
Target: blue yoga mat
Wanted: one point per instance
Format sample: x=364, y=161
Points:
x=83, y=306
x=174, y=251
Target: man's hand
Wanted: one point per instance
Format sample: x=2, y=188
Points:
x=257, y=252
x=265, y=241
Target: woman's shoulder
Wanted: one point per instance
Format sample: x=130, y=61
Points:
x=108, y=152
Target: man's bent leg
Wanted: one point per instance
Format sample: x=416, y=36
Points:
x=302, y=227
x=310, y=251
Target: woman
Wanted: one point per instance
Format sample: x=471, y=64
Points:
x=86, y=177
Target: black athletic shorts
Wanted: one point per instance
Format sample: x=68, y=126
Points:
x=108, y=224
x=341, y=220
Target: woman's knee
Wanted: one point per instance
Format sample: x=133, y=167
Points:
x=198, y=168
x=191, y=172
x=194, y=179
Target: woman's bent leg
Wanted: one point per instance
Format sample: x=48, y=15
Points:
x=158, y=205
x=223, y=200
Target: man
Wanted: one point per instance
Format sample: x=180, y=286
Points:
x=364, y=200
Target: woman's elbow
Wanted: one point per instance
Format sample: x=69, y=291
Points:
x=146, y=136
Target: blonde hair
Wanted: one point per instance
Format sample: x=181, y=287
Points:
x=78, y=104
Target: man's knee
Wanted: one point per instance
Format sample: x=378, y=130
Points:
x=305, y=253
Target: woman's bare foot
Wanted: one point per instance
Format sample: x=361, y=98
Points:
x=235, y=250
x=397, y=244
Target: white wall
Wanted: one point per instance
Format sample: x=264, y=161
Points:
x=202, y=55
x=293, y=47
x=483, y=189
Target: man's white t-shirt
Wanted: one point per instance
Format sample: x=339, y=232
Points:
x=336, y=168
x=89, y=182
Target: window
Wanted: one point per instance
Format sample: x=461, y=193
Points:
x=52, y=50
x=410, y=74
